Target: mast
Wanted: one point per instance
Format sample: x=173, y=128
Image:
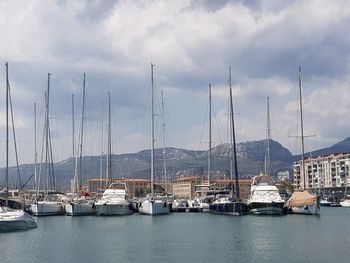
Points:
x=81, y=134
x=73, y=129
x=7, y=134
x=233, y=138
x=152, y=128
x=47, y=132
x=164, y=151
x=109, y=146
x=35, y=150
x=268, y=138
x=74, y=161
x=301, y=129
x=209, y=150
x=101, y=159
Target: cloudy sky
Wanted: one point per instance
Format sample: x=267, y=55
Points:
x=192, y=44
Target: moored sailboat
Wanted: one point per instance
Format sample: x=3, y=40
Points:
x=79, y=204
x=47, y=202
x=303, y=202
x=230, y=204
x=153, y=204
x=114, y=200
x=12, y=219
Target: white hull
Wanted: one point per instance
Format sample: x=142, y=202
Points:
x=313, y=209
x=13, y=220
x=156, y=207
x=266, y=208
x=108, y=209
x=345, y=203
x=80, y=208
x=46, y=208
x=267, y=211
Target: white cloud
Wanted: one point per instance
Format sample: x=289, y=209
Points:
x=192, y=44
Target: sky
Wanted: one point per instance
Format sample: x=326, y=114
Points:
x=192, y=44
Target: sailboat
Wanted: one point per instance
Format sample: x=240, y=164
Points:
x=153, y=204
x=230, y=204
x=12, y=219
x=264, y=196
x=47, y=202
x=114, y=200
x=203, y=194
x=303, y=202
x=79, y=204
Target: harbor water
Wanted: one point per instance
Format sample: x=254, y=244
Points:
x=183, y=237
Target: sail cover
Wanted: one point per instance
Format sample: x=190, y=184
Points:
x=301, y=199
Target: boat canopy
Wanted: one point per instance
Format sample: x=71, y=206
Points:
x=301, y=198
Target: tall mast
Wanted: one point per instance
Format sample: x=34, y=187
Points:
x=109, y=146
x=301, y=129
x=268, y=138
x=73, y=129
x=7, y=133
x=233, y=138
x=101, y=159
x=47, y=133
x=152, y=128
x=35, y=150
x=209, y=150
x=73, y=148
x=164, y=151
x=81, y=133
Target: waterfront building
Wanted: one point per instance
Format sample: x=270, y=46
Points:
x=324, y=174
x=244, y=186
x=184, y=186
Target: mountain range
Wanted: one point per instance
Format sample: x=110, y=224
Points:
x=250, y=157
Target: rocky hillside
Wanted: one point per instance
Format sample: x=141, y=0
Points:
x=179, y=161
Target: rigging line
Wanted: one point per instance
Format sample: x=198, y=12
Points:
x=217, y=124
x=19, y=184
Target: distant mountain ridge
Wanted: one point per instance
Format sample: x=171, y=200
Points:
x=340, y=147
x=250, y=155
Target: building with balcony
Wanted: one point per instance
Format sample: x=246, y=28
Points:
x=323, y=174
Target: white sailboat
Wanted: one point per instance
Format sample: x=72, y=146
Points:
x=114, y=200
x=79, y=204
x=153, y=204
x=12, y=219
x=303, y=202
x=47, y=202
x=203, y=194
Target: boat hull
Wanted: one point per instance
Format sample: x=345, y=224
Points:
x=231, y=208
x=345, y=203
x=79, y=209
x=47, y=208
x=313, y=209
x=15, y=220
x=113, y=209
x=154, y=208
x=268, y=208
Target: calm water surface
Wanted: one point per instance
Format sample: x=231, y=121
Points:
x=187, y=237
